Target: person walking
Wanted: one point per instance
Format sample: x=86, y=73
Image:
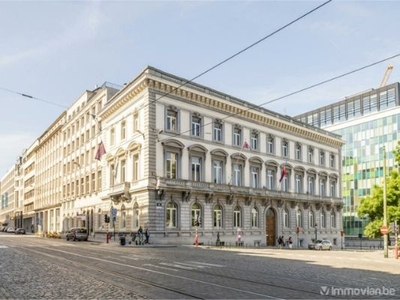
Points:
x=147, y=235
x=290, y=242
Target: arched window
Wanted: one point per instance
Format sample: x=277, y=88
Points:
x=311, y=220
x=135, y=216
x=237, y=217
x=254, y=217
x=100, y=218
x=196, y=214
x=333, y=220
x=299, y=219
x=285, y=218
x=217, y=216
x=323, y=220
x=172, y=215
x=123, y=217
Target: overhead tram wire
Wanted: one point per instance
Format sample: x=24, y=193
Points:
x=238, y=53
x=34, y=98
x=295, y=92
x=231, y=57
x=201, y=74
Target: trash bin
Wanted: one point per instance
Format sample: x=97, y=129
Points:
x=122, y=240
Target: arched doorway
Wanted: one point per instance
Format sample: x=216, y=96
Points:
x=270, y=227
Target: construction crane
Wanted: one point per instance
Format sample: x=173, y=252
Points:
x=386, y=76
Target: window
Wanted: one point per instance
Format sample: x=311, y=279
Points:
x=322, y=158
x=254, y=177
x=333, y=220
x=254, y=217
x=299, y=219
x=217, y=131
x=237, y=136
x=172, y=215
x=322, y=184
x=123, y=130
x=310, y=155
x=237, y=221
x=123, y=170
x=237, y=174
x=172, y=120
x=270, y=145
x=123, y=217
x=99, y=180
x=311, y=185
x=254, y=141
x=285, y=148
x=196, y=126
x=332, y=161
x=333, y=188
x=112, y=136
x=171, y=165
x=310, y=219
x=136, y=219
x=87, y=184
x=217, y=175
x=136, y=123
x=298, y=152
x=196, y=168
x=270, y=179
x=196, y=214
x=93, y=182
x=323, y=220
x=285, y=184
x=112, y=171
x=217, y=216
x=135, y=167
x=285, y=218
x=299, y=183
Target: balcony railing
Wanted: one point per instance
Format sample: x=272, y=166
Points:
x=206, y=187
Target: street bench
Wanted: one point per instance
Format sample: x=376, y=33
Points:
x=257, y=243
x=239, y=244
x=220, y=243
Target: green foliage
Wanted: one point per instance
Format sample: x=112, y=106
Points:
x=372, y=206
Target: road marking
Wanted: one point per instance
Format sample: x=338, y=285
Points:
x=160, y=267
x=3, y=247
x=206, y=264
x=176, y=266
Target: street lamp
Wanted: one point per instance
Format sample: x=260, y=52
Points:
x=315, y=231
x=385, y=236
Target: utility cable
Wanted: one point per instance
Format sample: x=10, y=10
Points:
x=296, y=92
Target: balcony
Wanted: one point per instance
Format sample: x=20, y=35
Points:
x=119, y=189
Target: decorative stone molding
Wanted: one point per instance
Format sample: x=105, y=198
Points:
x=209, y=197
x=230, y=198
x=248, y=200
x=186, y=195
x=280, y=203
x=160, y=194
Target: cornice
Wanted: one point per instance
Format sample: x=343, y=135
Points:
x=220, y=105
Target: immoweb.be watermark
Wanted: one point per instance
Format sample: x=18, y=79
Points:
x=367, y=291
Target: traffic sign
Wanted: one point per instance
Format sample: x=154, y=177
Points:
x=384, y=230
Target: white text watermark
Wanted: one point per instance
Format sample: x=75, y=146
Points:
x=365, y=291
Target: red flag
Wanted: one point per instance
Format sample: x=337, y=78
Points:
x=283, y=174
x=246, y=146
x=100, y=151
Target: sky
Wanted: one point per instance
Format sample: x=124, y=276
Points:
x=55, y=50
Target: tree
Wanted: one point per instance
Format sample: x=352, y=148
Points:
x=372, y=206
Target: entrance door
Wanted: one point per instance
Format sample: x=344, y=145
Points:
x=270, y=227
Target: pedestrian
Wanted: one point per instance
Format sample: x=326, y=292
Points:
x=283, y=241
x=147, y=234
x=290, y=242
x=140, y=235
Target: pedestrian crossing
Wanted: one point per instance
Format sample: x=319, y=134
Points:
x=189, y=265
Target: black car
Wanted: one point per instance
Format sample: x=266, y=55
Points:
x=20, y=231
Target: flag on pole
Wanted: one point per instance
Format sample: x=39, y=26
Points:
x=246, y=146
x=283, y=174
x=100, y=151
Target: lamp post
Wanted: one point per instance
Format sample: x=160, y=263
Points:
x=316, y=235
x=385, y=236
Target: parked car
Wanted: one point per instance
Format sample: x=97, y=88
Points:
x=323, y=245
x=20, y=231
x=77, y=234
x=11, y=230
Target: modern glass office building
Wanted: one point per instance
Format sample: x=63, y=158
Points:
x=367, y=121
